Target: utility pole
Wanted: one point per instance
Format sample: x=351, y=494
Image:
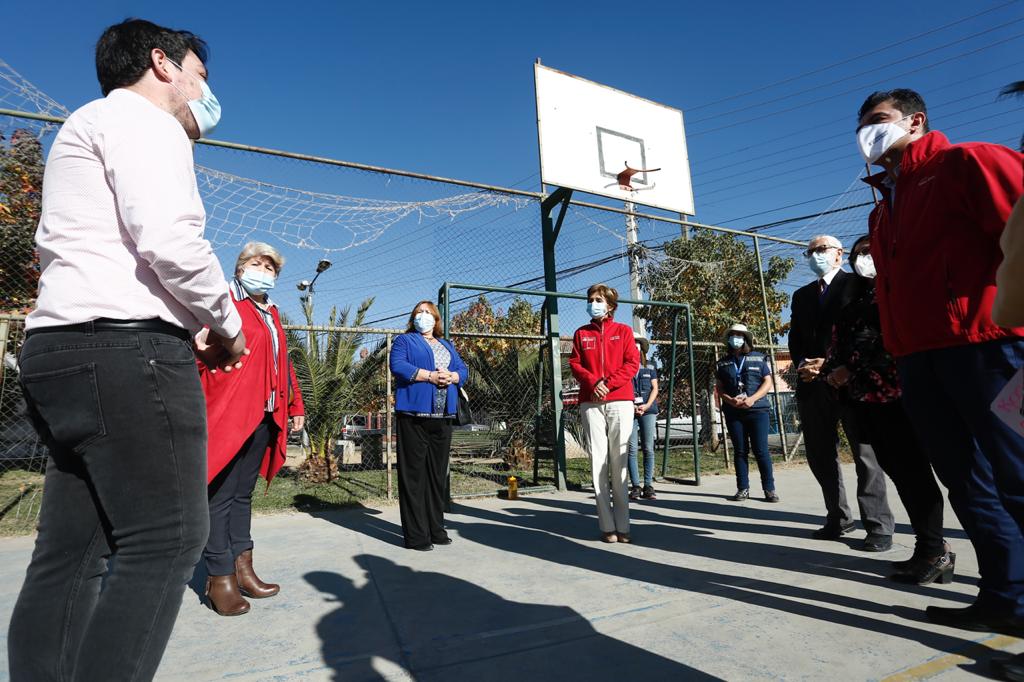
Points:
x=632, y=250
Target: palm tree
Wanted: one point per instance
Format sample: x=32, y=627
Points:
x=332, y=382
x=1011, y=90
x=503, y=385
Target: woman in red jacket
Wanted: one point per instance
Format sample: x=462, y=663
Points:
x=248, y=411
x=604, y=360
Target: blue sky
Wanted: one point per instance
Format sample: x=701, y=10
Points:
x=447, y=89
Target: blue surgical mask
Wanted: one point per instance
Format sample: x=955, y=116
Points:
x=423, y=322
x=597, y=309
x=257, y=281
x=736, y=342
x=206, y=109
x=820, y=263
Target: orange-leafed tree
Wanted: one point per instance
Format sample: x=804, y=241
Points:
x=21, y=188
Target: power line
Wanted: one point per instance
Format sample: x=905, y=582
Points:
x=861, y=73
x=858, y=88
x=850, y=59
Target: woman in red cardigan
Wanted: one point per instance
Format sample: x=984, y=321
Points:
x=249, y=412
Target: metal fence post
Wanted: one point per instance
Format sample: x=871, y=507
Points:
x=549, y=235
x=388, y=412
x=721, y=419
x=771, y=349
x=693, y=388
x=671, y=393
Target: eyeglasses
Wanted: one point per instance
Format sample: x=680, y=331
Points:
x=818, y=249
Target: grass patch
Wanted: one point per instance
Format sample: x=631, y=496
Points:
x=20, y=495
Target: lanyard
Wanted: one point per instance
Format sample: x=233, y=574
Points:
x=740, y=384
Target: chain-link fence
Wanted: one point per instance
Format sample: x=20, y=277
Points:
x=357, y=261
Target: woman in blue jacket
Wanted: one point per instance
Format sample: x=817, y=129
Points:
x=428, y=372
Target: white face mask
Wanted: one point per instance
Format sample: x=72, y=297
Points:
x=597, y=309
x=865, y=266
x=821, y=263
x=736, y=342
x=206, y=109
x=423, y=322
x=875, y=140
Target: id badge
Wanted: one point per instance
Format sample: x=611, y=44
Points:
x=637, y=400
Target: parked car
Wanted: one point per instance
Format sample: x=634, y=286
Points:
x=356, y=427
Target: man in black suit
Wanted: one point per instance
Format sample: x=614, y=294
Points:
x=814, y=311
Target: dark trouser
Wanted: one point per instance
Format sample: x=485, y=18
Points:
x=820, y=414
x=231, y=502
x=423, y=446
x=748, y=430
x=948, y=395
x=124, y=416
x=888, y=429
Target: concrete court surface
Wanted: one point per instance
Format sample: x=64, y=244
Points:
x=711, y=589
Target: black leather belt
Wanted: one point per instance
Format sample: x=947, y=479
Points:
x=105, y=324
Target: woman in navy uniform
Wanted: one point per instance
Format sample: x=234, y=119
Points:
x=645, y=411
x=743, y=379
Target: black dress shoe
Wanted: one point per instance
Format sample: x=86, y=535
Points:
x=443, y=541
x=832, y=531
x=876, y=542
x=928, y=571
x=976, y=619
x=422, y=548
x=1009, y=668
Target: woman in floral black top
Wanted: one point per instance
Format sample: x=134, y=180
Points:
x=859, y=364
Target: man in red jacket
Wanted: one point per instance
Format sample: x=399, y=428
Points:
x=935, y=243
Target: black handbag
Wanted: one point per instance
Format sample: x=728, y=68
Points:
x=463, y=415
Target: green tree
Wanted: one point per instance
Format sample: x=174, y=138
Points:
x=717, y=274
x=21, y=185
x=333, y=382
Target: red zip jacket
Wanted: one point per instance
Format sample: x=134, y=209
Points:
x=604, y=350
x=936, y=248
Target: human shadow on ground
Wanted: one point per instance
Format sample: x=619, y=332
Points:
x=754, y=510
x=438, y=627
x=690, y=535
x=359, y=518
x=547, y=534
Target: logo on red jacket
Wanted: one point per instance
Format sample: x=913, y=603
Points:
x=589, y=343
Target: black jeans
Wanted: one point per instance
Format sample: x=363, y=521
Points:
x=888, y=429
x=423, y=448
x=125, y=420
x=231, y=502
x=820, y=414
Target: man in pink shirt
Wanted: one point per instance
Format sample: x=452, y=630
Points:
x=108, y=369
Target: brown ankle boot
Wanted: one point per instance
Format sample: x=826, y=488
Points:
x=249, y=582
x=225, y=599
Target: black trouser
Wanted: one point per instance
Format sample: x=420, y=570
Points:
x=423, y=446
x=125, y=420
x=820, y=414
x=231, y=502
x=888, y=429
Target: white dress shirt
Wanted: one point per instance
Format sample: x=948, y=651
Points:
x=121, y=230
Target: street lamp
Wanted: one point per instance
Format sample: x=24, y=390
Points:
x=305, y=285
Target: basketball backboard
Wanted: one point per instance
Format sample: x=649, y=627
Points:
x=600, y=140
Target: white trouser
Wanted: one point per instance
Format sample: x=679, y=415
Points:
x=607, y=427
